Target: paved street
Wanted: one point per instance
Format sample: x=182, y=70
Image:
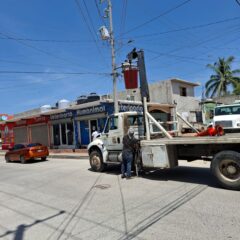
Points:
x=63, y=199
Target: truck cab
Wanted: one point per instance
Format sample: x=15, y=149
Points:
x=228, y=116
x=107, y=149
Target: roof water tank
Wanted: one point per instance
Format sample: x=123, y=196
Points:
x=63, y=104
x=45, y=108
x=82, y=99
x=93, y=97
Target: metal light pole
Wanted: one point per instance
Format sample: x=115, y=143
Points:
x=114, y=72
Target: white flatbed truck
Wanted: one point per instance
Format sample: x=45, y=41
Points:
x=164, y=152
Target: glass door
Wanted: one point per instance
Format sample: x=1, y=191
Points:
x=70, y=134
x=63, y=133
x=56, y=135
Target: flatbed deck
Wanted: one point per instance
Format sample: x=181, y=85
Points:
x=225, y=139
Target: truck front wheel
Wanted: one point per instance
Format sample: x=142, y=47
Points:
x=96, y=161
x=226, y=168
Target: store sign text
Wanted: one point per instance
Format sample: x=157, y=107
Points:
x=91, y=110
x=130, y=108
x=61, y=116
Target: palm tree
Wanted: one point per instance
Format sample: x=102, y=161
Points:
x=218, y=83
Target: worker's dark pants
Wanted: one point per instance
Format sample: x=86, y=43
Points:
x=127, y=158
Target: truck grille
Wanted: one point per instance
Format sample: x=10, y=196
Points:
x=224, y=123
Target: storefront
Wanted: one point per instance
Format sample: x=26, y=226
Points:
x=20, y=132
x=71, y=127
x=38, y=129
x=88, y=120
x=94, y=117
x=62, y=130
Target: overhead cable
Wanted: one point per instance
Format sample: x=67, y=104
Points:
x=22, y=42
x=92, y=33
x=157, y=17
x=189, y=28
x=198, y=43
x=46, y=40
x=28, y=63
x=64, y=73
x=123, y=17
x=99, y=13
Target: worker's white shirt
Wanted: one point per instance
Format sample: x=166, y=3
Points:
x=95, y=134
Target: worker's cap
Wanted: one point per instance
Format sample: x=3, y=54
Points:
x=130, y=131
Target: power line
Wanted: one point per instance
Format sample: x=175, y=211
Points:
x=46, y=40
x=122, y=25
x=89, y=17
x=189, y=59
x=36, y=48
x=177, y=56
x=123, y=17
x=157, y=17
x=80, y=10
x=27, y=63
x=64, y=73
x=188, y=28
x=99, y=13
x=28, y=84
x=238, y=2
x=196, y=44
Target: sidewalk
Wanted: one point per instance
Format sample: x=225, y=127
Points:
x=66, y=154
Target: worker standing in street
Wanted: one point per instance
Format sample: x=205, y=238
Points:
x=129, y=148
x=95, y=133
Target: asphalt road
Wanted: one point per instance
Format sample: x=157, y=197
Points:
x=63, y=199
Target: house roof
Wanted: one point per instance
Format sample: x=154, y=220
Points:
x=185, y=82
x=55, y=111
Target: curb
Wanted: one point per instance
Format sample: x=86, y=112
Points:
x=61, y=157
x=68, y=157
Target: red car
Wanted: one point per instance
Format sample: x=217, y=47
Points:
x=26, y=152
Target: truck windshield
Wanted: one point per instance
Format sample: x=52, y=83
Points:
x=227, y=110
x=112, y=124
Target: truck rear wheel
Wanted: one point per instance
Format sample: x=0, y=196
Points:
x=96, y=161
x=226, y=168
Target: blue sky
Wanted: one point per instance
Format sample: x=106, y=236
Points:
x=53, y=36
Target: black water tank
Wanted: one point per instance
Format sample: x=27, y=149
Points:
x=93, y=97
x=82, y=99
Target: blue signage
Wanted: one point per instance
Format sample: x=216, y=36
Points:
x=91, y=110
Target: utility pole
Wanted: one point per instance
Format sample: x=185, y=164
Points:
x=114, y=72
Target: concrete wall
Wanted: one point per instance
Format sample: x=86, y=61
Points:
x=185, y=104
x=227, y=99
x=161, y=92
x=177, y=85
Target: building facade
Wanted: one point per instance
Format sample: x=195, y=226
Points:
x=172, y=91
x=70, y=125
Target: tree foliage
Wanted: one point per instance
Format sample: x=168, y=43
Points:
x=222, y=79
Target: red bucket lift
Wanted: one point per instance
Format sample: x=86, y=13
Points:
x=130, y=74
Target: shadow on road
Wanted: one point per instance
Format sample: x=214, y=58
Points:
x=35, y=161
x=19, y=232
x=187, y=174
